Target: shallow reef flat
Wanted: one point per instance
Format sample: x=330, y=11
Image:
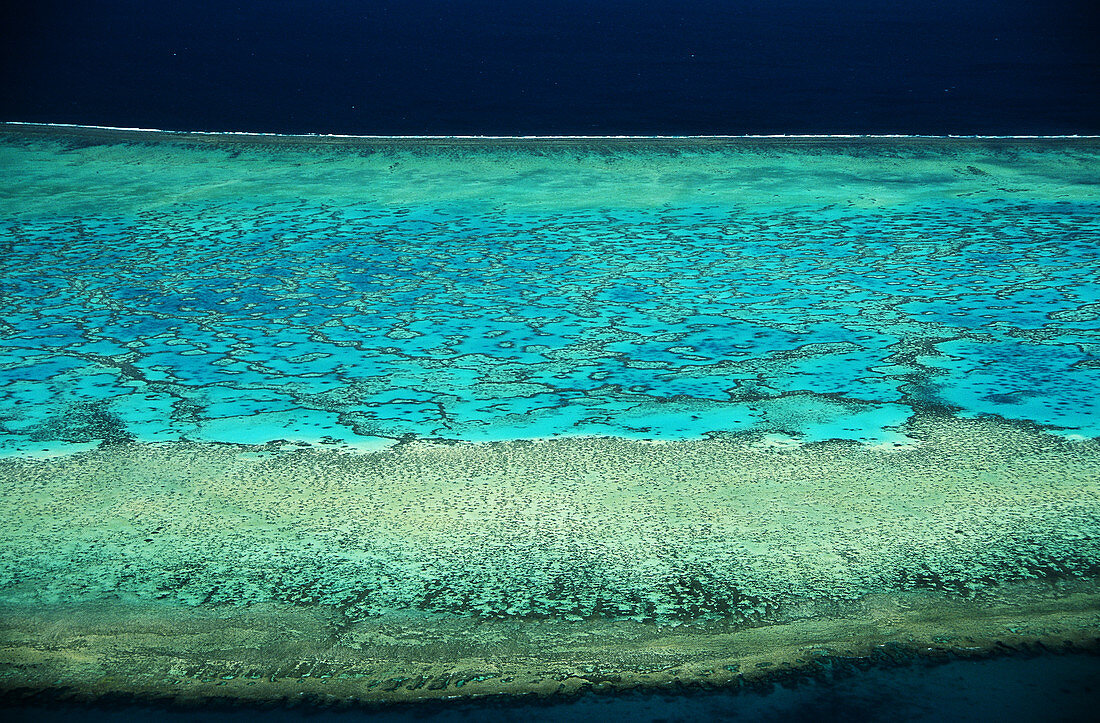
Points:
x=432, y=569
x=390, y=419
x=279, y=654
x=243, y=289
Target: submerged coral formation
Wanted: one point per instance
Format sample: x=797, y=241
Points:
x=168, y=288
x=541, y=558
x=384, y=420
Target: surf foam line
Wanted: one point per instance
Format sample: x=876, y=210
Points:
x=21, y=125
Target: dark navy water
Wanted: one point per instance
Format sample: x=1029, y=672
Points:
x=1022, y=688
x=557, y=67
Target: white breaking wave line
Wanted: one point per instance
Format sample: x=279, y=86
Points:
x=78, y=126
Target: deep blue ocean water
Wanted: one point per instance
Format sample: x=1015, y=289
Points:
x=558, y=67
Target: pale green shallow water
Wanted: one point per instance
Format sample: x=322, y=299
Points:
x=407, y=411
x=740, y=530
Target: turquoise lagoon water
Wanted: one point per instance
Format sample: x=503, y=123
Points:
x=160, y=288
x=395, y=419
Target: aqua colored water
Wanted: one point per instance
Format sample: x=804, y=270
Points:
x=629, y=291
x=266, y=411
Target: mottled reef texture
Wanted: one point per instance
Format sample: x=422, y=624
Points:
x=797, y=361
x=163, y=287
x=429, y=569
x=271, y=653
